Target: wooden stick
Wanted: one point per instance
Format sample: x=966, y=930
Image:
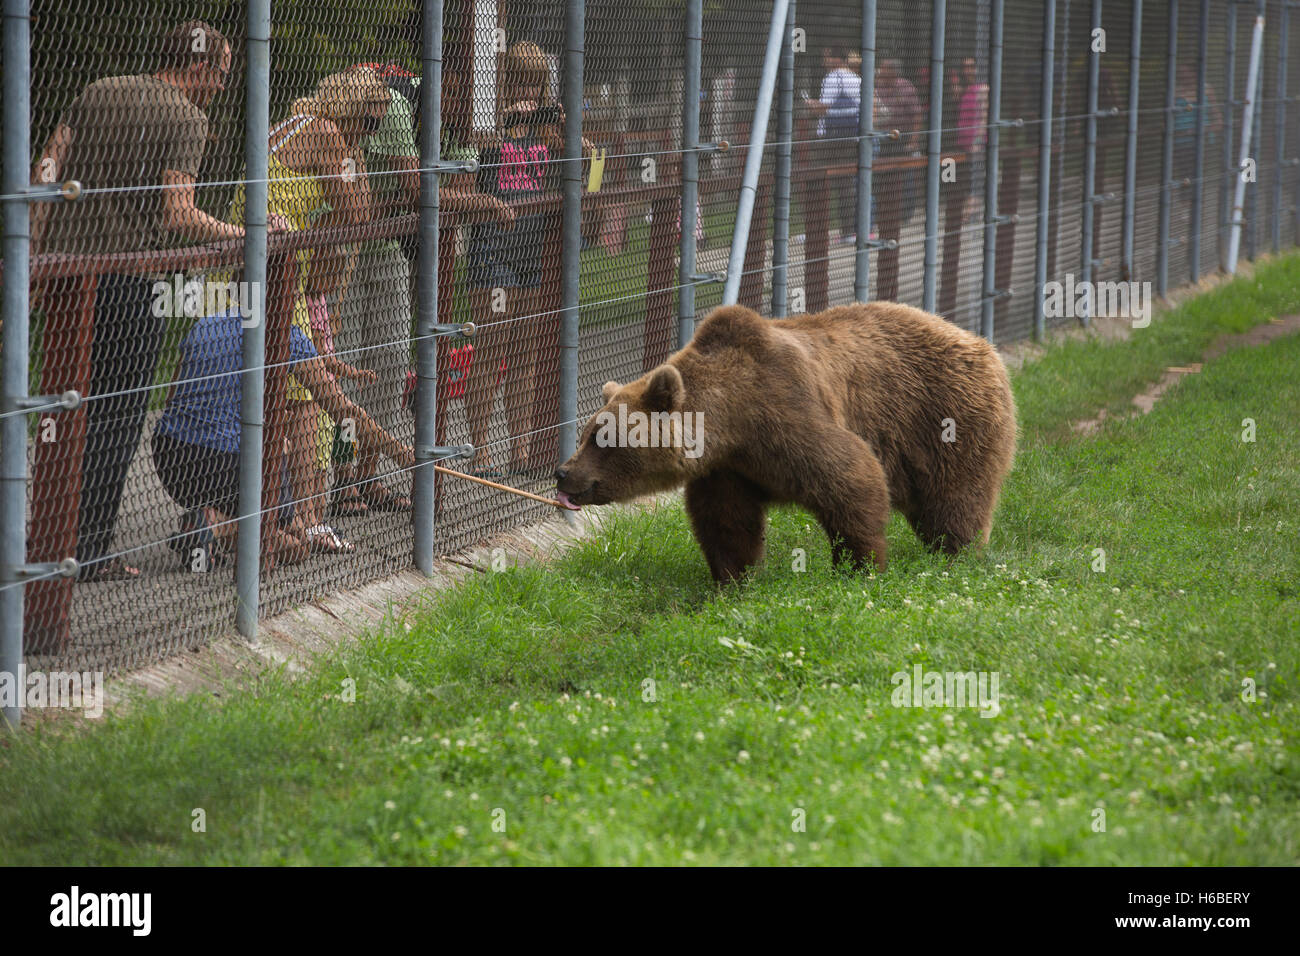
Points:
x=493, y=484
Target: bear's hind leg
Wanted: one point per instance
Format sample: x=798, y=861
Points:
x=727, y=515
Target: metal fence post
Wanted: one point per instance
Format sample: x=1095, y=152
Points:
x=1247, y=129
x=13, y=373
x=866, y=152
x=1130, y=159
x=781, y=185
x=1279, y=123
x=1229, y=118
x=1198, y=167
x=1294, y=160
x=994, y=139
x=1257, y=139
x=257, y=122
x=939, y=15
x=694, y=35
x=424, y=479
x=754, y=154
x=575, y=27
x=1045, y=166
x=1090, y=160
x=1167, y=160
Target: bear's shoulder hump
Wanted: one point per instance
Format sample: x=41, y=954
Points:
x=731, y=326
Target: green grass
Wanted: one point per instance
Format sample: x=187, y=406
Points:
x=521, y=697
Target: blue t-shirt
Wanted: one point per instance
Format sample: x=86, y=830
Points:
x=205, y=405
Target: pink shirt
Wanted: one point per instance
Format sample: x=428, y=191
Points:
x=972, y=116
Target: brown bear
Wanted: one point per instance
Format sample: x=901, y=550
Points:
x=847, y=413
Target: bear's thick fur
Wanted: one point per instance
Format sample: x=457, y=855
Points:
x=846, y=413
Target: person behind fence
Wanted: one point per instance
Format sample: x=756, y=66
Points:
x=898, y=96
x=196, y=443
x=973, y=134
x=138, y=142
x=838, y=106
x=375, y=313
x=317, y=179
x=505, y=264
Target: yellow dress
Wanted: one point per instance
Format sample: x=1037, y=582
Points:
x=297, y=197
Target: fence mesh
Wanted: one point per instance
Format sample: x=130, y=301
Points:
x=139, y=302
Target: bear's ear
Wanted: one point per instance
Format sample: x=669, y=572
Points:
x=665, y=391
x=609, y=390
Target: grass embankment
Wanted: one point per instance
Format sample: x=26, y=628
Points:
x=512, y=719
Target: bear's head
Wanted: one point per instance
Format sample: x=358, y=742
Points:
x=643, y=440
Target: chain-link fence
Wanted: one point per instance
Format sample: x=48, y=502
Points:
x=285, y=260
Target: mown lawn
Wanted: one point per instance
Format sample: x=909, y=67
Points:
x=613, y=707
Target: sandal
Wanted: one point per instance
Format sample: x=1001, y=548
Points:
x=114, y=569
x=322, y=539
x=195, y=533
x=382, y=498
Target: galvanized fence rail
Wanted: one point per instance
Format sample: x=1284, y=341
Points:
x=265, y=266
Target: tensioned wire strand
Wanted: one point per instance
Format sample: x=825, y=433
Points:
x=705, y=149
x=512, y=438
x=1030, y=217
x=263, y=512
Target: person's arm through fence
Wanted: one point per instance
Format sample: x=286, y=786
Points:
x=325, y=390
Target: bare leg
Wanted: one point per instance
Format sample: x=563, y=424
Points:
x=480, y=386
x=307, y=475
x=521, y=374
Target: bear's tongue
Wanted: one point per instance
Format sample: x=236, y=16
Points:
x=563, y=499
